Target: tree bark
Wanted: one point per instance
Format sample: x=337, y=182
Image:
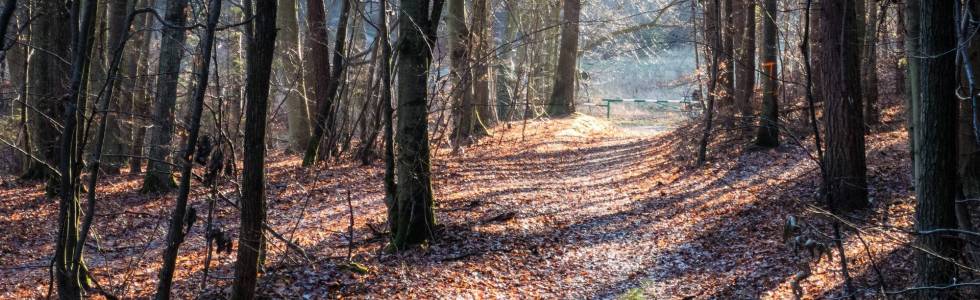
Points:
x=120, y=132
x=462, y=71
x=841, y=88
x=253, y=213
x=159, y=175
x=869, y=68
x=969, y=151
x=563, y=95
x=183, y=217
x=69, y=267
x=318, y=70
x=412, y=217
x=505, y=81
x=902, y=61
x=726, y=65
x=391, y=189
x=18, y=60
x=325, y=121
x=768, y=135
x=289, y=60
x=712, y=31
x=48, y=75
x=936, y=142
x=141, y=101
x=745, y=65
x=482, y=71
x=912, y=52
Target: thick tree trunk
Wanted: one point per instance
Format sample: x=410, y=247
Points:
x=815, y=48
x=869, y=68
x=505, y=81
x=253, y=212
x=289, y=60
x=120, y=132
x=745, y=63
x=48, y=76
x=18, y=58
x=482, y=59
x=562, y=101
x=318, y=69
x=841, y=87
x=391, y=189
x=726, y=65
x=769, y=119
x=159, y=175
x=412, y=217
x=141, y=100
x=325, y=125
x=912, y=95
x=936, y=142
x=969, y=150
x=462, y=71
x=900, y=64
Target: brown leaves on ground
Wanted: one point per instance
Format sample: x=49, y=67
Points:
x=571, y=208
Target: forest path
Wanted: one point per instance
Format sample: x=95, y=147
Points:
x=579, y=208
x=559, y=209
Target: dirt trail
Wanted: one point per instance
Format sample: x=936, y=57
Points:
x=572, y=208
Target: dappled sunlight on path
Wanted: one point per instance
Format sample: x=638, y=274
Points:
x=566, y=208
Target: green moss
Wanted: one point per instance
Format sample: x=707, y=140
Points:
x=157, y=183
x=633, y=294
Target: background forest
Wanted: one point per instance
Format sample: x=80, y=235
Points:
x=611, y=149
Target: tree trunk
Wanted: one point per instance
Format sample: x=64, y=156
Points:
x=726, y=65
x=482, y=59
x=289, y=60
x=391, y=189
x=912, y=52
x=141, y=101
x=120, y=132
x=183, y=217
x=159, y=175
x=563, y=95
x=69, y=267
x=505, y=81
x=462, y=72
x=318, y=70
x=325, y=121
x=769, y=119
x=18, y=58
x=936, y=142
x=712, y=32
x=902, y=61
x=969, y=152
x=412, y=217
x=815, y=48
x=745, y=65
x=841, y=88
x=253, y=212
x=969, y=155
x=869, y=69
x=49, y=81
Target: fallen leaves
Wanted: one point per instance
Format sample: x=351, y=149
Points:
x=569, y=208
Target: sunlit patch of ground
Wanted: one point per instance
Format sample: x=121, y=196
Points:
x=568, y=208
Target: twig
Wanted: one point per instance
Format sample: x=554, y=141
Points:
x=290, y=245
x=350, y=228
x=935, y=287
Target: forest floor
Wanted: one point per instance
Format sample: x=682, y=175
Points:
x=571, y=208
